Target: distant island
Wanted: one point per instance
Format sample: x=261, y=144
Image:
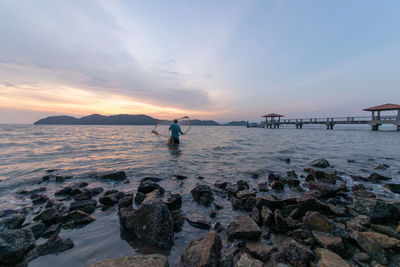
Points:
x=121, y=119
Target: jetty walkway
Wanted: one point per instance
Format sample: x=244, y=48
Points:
x=273, y=120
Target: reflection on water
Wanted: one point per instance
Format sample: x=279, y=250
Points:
x=174, y=150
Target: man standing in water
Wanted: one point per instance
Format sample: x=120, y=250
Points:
x=175, y=131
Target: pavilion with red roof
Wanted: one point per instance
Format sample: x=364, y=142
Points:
x=272, y=121
x=378, y=120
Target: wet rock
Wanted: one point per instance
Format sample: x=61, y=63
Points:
x=395, y=188
x=293, y=183
x=320, y=163
x=173, y=201
x=245, y=194
x=277, y=185
x=383, y=240
x=52, y=230
x=231, y=189
x=202, y=194
x=267, y=216
x=218, y=227
x=198, y=220
x=152, y=223
x=48, y=216
x=14, y=244
x=152, y=260
x=218, y=205
x=178, y=220
x=377, y=178
x=124, y=214
x=37, y=229
x=325, y=189
x=14, y=221
x=54, y=245
x=297, y=254
x=242, y=185
x=115, y=176
x=381, y=167
x=203, y=252
x=220, y=184
x=317, y=221
x=250, y=203
x=378, y=210
x=385, y=230
x=258, y=250
x=370, y=246
x=111, y=198
x=280, y=224
x=362, y=257
x=213, y=213
x=78, y=217
x=330, y=242
x=364, y=193
x=263, y=187
x=351, y=161
x=237, y=204
x=328, y=258
x=96, y=190
x=39, y=199
x=153, y=196
x=243, y=227
x=152, y=179
x=71, y=190
x=256, y=216
x=180, y=177
x=83, y=196
x=245, y=260
x=139, y=198
x=287, y=160
x=126, y=201
x=291, y=174
x=87, y=206
x=147, y=186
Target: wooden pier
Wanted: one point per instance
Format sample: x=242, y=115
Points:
x=274, y=120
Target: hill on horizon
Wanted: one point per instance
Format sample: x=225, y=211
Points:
x=121, y=119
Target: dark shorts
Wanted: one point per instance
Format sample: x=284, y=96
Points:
x=176, y=141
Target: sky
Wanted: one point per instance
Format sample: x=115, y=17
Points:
x=220, y=60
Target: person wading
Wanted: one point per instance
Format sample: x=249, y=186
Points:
x=175, y=131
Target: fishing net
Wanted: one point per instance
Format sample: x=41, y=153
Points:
x=161, y=127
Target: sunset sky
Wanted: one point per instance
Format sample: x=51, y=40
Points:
x=220, y=60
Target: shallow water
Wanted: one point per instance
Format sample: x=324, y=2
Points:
x=214, y=153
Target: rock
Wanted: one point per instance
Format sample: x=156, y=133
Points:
x=14, y=244
x=330, y=242
x=383, y=240
x=256, y=215
x=78, y=217
x=325, y=189
x=381, y=167
x=52, y=230
x=250, y=203
x=39, y=199
x=385, y=230
x=152, y=223
x=231, y=189
x=147, y=186
x=198, y=220
x=54, y=245
x=280, y=224
x=48, y=216
x=202, y=194
x=83, y=196
x=287, y=160
x=218, y=227
x=173, y=201
x=263, y=187
x=370, y=246
x=71, y=190
x=202, y=252
x=152, y=179
x=297, y=254
x=362, y=257
x=111, y=199
x=291, y=174
x=213, y=213
x=180, y=177
x=245, y=194
x=87, y=206
x=377, y=178
x=257, y=250
x=126, y=201
x=293, y=183
x=364, y=193
x=242, y=185
x=37, y=229
x=277, y=185
x=116, y=176
x=378, y=210
x=14, y=221
x=267, y=216
x=329, y=258
x=320, y=163
x=245, y=260
x=243, y=227
x=139, y=197
x=152, y=260
x=237, y=204
x=178, y=220
x=317, y=221
x=218, y=205
x=220, y=184
x=153, y=196
x=351, y=161
x=395, y=188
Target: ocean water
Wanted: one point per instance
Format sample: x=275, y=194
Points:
x=206, y=154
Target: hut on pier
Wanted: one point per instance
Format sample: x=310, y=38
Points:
x=378, y=120
x=272, y=122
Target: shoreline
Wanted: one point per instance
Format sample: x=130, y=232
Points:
x=322, y=218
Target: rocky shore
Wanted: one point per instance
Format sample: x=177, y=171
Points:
x=327, y=223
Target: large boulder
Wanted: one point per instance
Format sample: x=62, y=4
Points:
x=48, y=216
x=320, y=163
x=152, y=223
x=14, y=221
x=202, y=194
x=243, y=227
x=203, y=252
x=384, y=241
x=297, y=254
x=173, y=201
x=198, y=220
x=370, y=246
x=53, y=245
x=87, y=206
x=245, y=260
x=152, y=260
x=325, y=240
x=14, y=244
x=258, y=250
x=330, y=259
x=378, y=210
x=148, y=186
x=317, y=221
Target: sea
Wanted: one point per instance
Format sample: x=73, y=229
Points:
x=205, y=155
